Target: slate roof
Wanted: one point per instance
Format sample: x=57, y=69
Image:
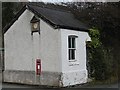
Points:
x=34, y=19
x=56, y=18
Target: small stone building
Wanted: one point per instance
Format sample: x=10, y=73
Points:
x=45, y=46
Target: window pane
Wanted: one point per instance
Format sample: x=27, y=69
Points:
x=73, y=42
x=69, y=42
x=69, y=54
x=73, y=54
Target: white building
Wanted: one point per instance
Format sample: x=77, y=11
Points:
x=45, y=46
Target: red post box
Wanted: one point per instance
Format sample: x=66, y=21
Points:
x=38, y=67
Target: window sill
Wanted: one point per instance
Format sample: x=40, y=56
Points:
x=72, y=60
x=73, y=63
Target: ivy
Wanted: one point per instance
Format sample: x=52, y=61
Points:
x=95, y=37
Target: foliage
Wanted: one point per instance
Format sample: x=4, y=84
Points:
x=100, y=60
x=95, y=36
x=9, y=10
x=7, y=13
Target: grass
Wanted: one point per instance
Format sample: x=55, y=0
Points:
x=111, y=80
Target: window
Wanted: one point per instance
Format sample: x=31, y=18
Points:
x=72, y=47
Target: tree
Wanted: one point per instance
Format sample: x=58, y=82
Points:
x=7, y=13
x=9, y=10
x=100, y=58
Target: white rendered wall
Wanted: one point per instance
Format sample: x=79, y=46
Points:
x=50, y=48
x=18, y=44
x=22, y=49
x=74, y=72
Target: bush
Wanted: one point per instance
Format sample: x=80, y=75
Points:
x=100, y=58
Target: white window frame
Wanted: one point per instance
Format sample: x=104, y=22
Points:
x=70, y=48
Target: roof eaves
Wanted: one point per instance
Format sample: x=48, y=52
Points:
x=14, y=19
x=73, y=28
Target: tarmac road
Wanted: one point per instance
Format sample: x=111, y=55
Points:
x=8, y=85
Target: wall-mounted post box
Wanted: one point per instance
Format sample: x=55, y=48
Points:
x=38, y=67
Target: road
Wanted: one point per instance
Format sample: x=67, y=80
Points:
x=8, y=85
